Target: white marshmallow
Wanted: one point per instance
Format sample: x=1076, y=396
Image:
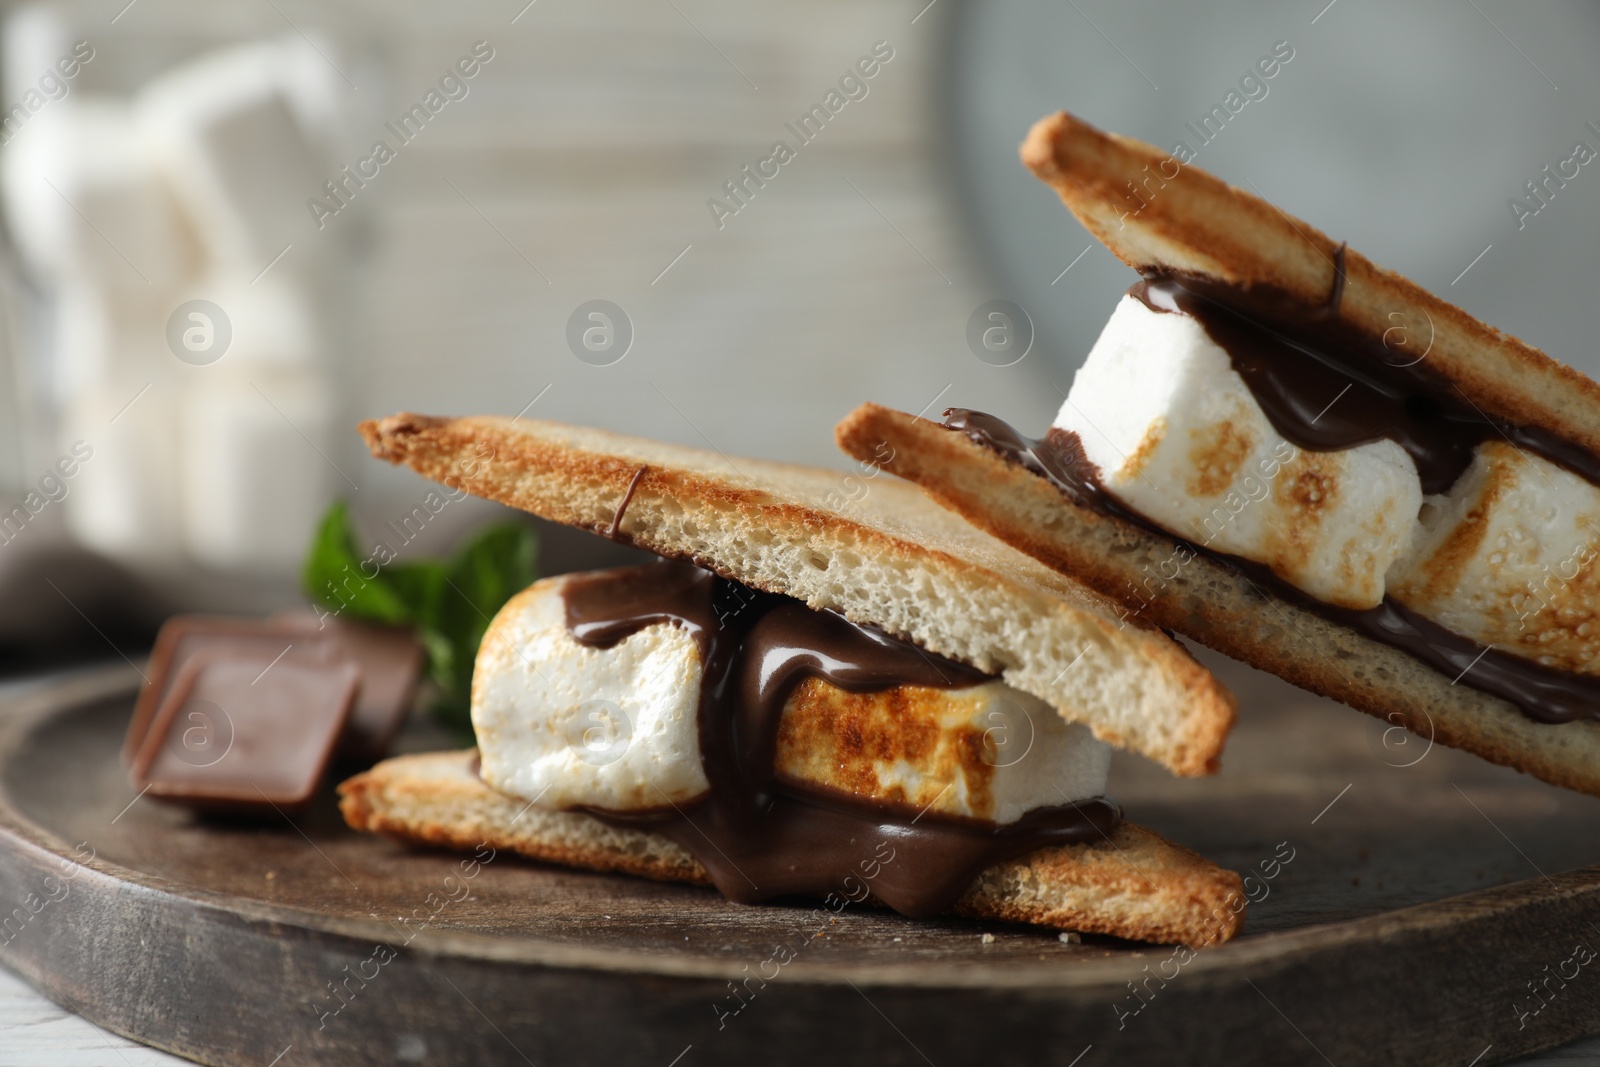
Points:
x=103, y=337
x=83, y=344
x=35, y=36
x=563, y=724
x=272, y=320
x=1178, y=437
x=1507, y=557
x=988, y=752
x=124, y=501
x=233, y=134
x=86, y=201
x=254, y=474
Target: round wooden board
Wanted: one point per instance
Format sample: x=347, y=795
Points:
x=1404, y=930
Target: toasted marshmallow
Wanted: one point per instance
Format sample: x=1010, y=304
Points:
x=565, y=725
x=1178, y=437
x=1507, y=557
x=988, y=752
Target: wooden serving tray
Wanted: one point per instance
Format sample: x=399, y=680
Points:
x=1425, y=892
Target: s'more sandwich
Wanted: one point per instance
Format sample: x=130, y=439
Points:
x=1306, y=462
x=825, y=685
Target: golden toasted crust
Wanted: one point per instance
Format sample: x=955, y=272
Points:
x=1158, y=579
x=1134, y=885
x=1195, y=222
x=874, y=550
x=436, y=798
x=857, y=743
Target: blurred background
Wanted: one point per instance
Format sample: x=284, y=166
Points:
x=231, y=231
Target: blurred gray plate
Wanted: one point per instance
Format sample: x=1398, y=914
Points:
x=1403, y=129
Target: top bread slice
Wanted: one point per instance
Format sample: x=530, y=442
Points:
x=874, y=550
x=1195, y=223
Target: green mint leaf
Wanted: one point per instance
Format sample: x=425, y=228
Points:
x=338, y=575
x=448, y=604
x=488, y=571
x=441, y=657
x=420, y=586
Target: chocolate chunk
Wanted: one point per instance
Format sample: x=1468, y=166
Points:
x=246, y=731
x=185, y=635
x=390, y=659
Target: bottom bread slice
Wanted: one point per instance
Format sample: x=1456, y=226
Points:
x=1133, y=884
x=1161, y=580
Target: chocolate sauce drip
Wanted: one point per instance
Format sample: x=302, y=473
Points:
x=759, y=837
x=1326, y=385
x=610, y=533
x=1058, y=456
x=1330, y=307
x=1544, y=694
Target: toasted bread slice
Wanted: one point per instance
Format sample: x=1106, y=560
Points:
x=874, y=550
x=1133, y=884
x=1161, y=581
x=1196, y=223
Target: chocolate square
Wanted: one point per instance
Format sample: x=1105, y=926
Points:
x=246, y=731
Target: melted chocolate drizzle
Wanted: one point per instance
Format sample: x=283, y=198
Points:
x=1544, y=694
x=611, y=532
x=758, y=836
x=1327, y=385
